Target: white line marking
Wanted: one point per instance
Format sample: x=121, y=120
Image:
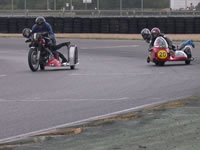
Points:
x=114, y=74
x=2, y=75
x=62, y=100
x=110, y=47
x=26, y=135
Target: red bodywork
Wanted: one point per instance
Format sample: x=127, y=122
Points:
x=164, y=54
x=54, y=63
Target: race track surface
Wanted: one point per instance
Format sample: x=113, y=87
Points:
x=112, y=76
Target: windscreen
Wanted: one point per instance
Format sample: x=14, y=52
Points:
x=160, y=42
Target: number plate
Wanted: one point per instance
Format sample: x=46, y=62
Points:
x=162, y=54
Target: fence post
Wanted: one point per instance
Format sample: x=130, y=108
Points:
x=120, y=7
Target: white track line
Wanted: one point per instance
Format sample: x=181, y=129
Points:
x=110, y=47
x=26, y=135
x=114, y=74
x=3, y=75
x=62, y=100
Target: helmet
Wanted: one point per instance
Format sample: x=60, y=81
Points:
x=26, y=32
x=155, y=32
x=40, y=20
x=146, y=34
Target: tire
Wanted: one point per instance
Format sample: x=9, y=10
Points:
x=160, y=63
x=42, y=67
x=32, y=61
x=187, y=62
x=72, y=67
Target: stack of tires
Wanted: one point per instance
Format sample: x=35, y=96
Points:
x=189, y=25
x=197, y=25
x=12, y=25
x=142, y=23
x=180, y=25
x=95, y=25
x=30, y=22
x=4, y=25
x=123, y=25
x=50, y=20
x=21, y=24
x=105, y=25
x=114, y=25
x=58, y=25
x=170, y=25
x=68, y=25
x=161, y=23
x=152, y=22
x=77, y=25
x=133, y=27
x=86, y=25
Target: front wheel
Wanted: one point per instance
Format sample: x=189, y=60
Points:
x=32, y=60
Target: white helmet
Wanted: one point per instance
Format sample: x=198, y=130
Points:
x=146, y=34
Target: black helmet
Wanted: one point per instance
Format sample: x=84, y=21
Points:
x=40, y=20
x=26, y=32
x=146, y=34
x=155, y=32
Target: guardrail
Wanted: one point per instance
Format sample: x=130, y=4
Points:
x=179, y=25
x=97, y=13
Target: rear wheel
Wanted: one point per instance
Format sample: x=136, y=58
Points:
x=160, y=63
x=72, y=67
x=32, y=60
x=187, y=62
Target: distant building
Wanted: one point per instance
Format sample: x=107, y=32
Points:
x=183, y=4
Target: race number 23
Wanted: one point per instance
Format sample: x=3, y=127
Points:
x=162, y=54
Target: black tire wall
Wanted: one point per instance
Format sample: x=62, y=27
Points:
x=130, y=25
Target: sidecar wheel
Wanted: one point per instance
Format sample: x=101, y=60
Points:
x=161, y=63
x=187, y=62
x=72, y=67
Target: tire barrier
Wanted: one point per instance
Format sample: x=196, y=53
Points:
x=142, y=23
x=21, y=24
x=95, y=25
x=180, y=25
x=104, y=25
x=4, y=25
x=196, y=25
x=77, y=25
x=58, y=25
x=170, y=25
x=130, y=25
x=114, y=25
x=123, y=25
x=133, y=27
x=12, y=25
x=68, y=25
x=189, y=25
x=86, y=25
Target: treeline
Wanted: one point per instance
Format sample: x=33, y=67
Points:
x=78, y=4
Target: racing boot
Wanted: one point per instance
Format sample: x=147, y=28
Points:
x=64, y=60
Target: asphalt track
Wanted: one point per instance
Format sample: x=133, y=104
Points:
x=112, y=76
